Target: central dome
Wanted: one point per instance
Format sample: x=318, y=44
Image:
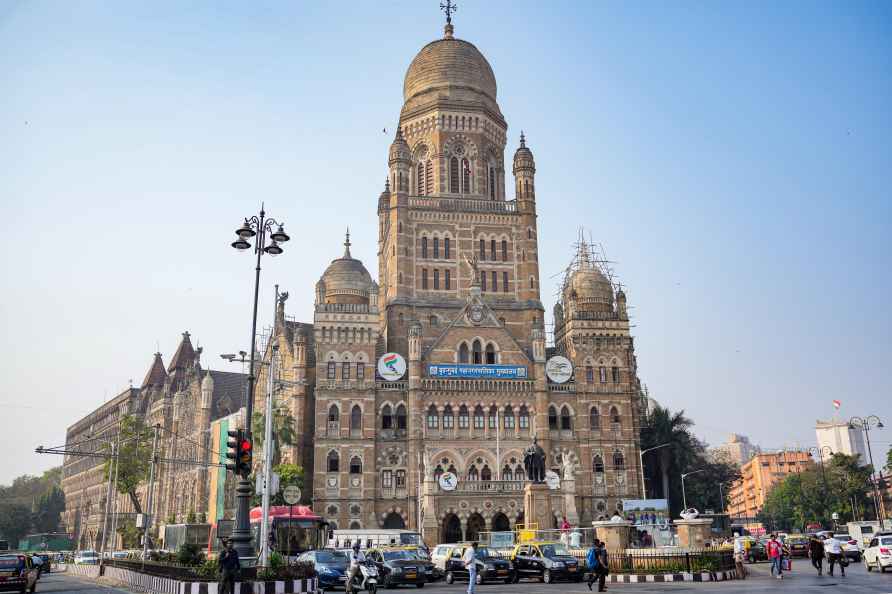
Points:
x=451, y=69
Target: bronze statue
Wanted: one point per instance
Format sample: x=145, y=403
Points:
x=534, y=462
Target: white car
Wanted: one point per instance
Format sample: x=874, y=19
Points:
x=440, y=554
x=879, y=552
x=86, y=558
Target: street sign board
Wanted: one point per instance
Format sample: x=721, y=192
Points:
x=291, y=494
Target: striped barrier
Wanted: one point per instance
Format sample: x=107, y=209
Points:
x=88, y=571
x=152, y=584
x=624, y=578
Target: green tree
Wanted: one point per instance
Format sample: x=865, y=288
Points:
x=665, y=465
x=283, y=431
x=889, y=460
x=289, y=474
x=134, y=458
x=49, y=506
x=15, y=522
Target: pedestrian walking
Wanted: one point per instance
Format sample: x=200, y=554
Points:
x=835, y=555
x=230, y=567
x=739, y=556
x=470, y=562
x=816, y=553
x=357, y=558
x=591, y=559
x=776, y=555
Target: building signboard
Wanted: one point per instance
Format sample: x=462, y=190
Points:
x=463, y=371
x=559, y=369
x=391, y=367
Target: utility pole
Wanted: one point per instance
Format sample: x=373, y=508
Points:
x=114, y=530
x=108, y=496
x=268, y=454
x=149, y=498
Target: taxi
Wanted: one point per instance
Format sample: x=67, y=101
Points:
x=17, y=574
x=490, y=566
x=547, y=561
x=402, y=565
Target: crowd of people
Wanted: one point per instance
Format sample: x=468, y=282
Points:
x=820, y=547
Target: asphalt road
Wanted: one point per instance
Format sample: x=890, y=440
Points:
x=62, y=582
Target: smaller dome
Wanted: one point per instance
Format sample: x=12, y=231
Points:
x=587, y=287
x=523, y=157
x=399, y=149
x=346, y=280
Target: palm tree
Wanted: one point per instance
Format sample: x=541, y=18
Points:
x=675, y=429
x=283, y=431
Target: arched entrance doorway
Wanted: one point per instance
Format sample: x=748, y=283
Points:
x=451, y=531
x=394, y=521
x=500, y=523
x=476, y=525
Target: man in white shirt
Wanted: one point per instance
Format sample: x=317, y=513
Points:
x=469, y=560
x=357, y=558
x=835, y=554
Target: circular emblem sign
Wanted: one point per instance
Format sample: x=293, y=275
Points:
x=559, y=369
x=391, y=366
x=552, y=479
x=448, y=481
x=291, y=494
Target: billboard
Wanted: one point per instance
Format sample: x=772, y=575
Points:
x=464, y=371
x=647, y=511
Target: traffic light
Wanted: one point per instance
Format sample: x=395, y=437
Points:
x=245, y=454
x=232, y=452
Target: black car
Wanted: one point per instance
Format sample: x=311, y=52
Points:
x=17, y=573
x=331, y=567
x=402, y=566
x=489, y=567
x=548, y=561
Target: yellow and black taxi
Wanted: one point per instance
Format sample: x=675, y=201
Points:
x=17, y=573
x=402, y=565
x=547, y=561
x=490, y=567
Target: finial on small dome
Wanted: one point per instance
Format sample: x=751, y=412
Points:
x=347, y=244
x=448, y=7
x=523, y=140
x=386, y=184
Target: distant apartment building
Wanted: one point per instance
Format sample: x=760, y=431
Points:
x=737, y=450
x=758, y=476
x=840, y=438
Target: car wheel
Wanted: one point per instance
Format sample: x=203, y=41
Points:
x=449, y=577
x=546, y=576
x=882, y=568
x=867, y=565
x=419, y=585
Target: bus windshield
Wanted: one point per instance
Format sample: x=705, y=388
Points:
x=410, y=538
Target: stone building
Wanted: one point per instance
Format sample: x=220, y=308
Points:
x=458, y=301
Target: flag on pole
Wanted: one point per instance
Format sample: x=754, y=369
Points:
x=837, y=404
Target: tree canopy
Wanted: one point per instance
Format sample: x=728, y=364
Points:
x=283, y=431
x=134, y=458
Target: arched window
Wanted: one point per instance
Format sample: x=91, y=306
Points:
x=594, y=419
x=453, y=175
x=434, y=320
x=463, y=356
x=446, y=249
x=478, y=417
x=429, y=178
x=463, y=417
x=473, y=475
x=504, y=251
x=482, y=250
x=465, y=177
x=589, y=374
x=433, y=418
x=490, y=354
x=356, y=418
x=355, y=525
x=532, y=283
x=566, y=424
x=478, y=356
x=524, y=418
x=509, y=417
x=355, y=465
x=448, y=418
x=334, y=416
x=615, y=373
x=492, y=183
x=419, y=178
x=436, y=248
x=386, y=417
x=493, y=417
x=485, y=473
x=507, y=475
x=619, y=462
x=401, y=417
x=602, y=373
x=424, y=247
x=492, y=250
x=334, y=462
x=614, y=416
x=552, y=419
x=598, y=464
x=437, y=472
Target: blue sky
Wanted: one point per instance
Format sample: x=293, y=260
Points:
x=733, y=159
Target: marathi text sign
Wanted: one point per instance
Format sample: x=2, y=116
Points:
x=478, y=371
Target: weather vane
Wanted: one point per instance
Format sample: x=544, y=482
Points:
x=448, y=7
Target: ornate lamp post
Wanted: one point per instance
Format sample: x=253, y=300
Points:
x=865, y=424
x=260, y=227
x=684, y=498
x=641, y=464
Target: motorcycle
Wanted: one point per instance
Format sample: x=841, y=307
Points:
x=368, y=571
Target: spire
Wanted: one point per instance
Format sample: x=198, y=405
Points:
x=448, y=7
x=347, y=245
x=156, y=376
x=184, y=356
x=523, y=140
x=387, y=184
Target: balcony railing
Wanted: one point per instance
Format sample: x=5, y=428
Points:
x=401, y=386
x=463, y=204
x=488, y=487
x=476, y=385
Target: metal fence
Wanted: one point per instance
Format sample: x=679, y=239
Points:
x=657, y=561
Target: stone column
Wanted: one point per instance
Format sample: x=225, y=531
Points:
x=693, y=534
x=616, y=534
x=537, y=506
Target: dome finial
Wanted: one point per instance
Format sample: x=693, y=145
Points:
x=523, y=140
x=386, y=184
x=448, y=7
x=347, y=244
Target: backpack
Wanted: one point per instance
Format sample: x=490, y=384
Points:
x=592, y=558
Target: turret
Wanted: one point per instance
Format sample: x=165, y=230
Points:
x=621, y=304
x=400, y=162
x=207, y=390
x=524, y=172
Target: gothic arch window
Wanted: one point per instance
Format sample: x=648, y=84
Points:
x=463, y=417
x=478, y=355
x=490, y=354
x=429, y=177
x=552, y=419
x=619, y=461
x=446, y=248
x=433, y=418
x=614, y=416
x=447, y=278
x=507, y=474
x=492, y=250
x=594, y=419
x=524, y=418
x=465, y=177
x=598, y=464
x=492, y=182
x=386, y=417
x=356, y=418
x=436, y=279
x=333, y=463
x=401, y=416
x=482, y=249
x=334, y=415
x=509, y=417
x=614, y=372
x=424, y=247
x=436, y=248
x=419, y=178
x=566, y=423
x=403, y=187
x=589, y=374
x=434, y=320
x=355, y=465
x=437, y=472
x=448, y=418
x=504, y=281
x=473, y=474
x=485, y=473
x=504, y=250
x=453, y=175
x=493, y=416
x=602, y=374
x=478, y=417
x=463, y=353
x=526, y=187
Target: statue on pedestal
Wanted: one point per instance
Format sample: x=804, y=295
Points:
x=534, y=462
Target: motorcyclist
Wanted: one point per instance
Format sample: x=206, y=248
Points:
x=357, y=558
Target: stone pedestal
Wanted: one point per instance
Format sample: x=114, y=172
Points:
x=693, y=534
x=537, y=506
x=615, y=534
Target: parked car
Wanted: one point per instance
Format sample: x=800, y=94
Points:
x=548, y=561
x=331, y=566
x=401, y=565
x=490, y=567
x=86, y=558
x=17, y=573
x=756, y=551
x=878, y=553
x=797, y=545
x=849, y=546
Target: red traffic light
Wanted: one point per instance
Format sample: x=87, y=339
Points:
x=245, y=445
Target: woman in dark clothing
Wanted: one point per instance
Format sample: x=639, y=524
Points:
x=816, y=552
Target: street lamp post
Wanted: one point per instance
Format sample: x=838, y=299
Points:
x=819, y=452
x=684, y=498
x=641, y=466
x=865, y=424
x=261, y=227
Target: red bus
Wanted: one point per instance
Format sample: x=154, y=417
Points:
x=292, y=534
